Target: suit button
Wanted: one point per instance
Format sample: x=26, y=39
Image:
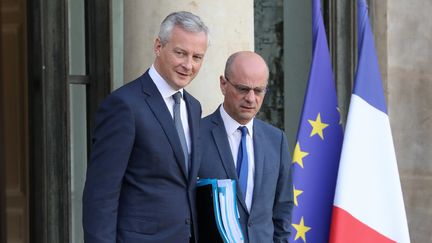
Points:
x=249, y=224
x=187, y=221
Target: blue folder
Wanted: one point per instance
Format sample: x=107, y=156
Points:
x=218, y=217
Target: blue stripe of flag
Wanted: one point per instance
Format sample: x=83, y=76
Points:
x=368, y=84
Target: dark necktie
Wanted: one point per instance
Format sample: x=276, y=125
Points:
x=242, y=161
x=179, y=127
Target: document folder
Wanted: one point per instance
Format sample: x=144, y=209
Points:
x=218, y=217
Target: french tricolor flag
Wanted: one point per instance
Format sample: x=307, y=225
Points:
x=368, y=204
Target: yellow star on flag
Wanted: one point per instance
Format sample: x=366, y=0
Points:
x=296, y=194
x=301, y=230
x=298, y=155
x=318, y=126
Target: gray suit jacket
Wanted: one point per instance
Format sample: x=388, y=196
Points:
x=270, y=216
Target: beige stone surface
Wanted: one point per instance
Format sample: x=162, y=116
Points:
x=409, y=88
x=231, y=29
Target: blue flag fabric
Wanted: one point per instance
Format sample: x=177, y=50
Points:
x=319, y=140
x=370, y=88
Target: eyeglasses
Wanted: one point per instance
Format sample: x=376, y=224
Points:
x=244, y=90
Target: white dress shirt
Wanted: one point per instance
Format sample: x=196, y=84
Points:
x=167, y=92
x=234, y=138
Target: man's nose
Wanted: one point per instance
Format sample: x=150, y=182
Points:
x=250, y=96
x=187, y=63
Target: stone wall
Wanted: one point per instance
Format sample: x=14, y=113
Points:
x=231, y=25
x=409, y=88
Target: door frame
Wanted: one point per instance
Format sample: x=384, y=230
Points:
x=48, y=113
x=2, y=167
x=49, y=107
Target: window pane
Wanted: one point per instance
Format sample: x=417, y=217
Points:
x=78, y=134
x=117, y=8
x=77, y=55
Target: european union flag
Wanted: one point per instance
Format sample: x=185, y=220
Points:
x=319, y=140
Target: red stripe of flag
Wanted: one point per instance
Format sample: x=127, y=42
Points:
x=346, y=228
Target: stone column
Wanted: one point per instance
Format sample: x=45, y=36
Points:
x=409, y=88
x=231, y=29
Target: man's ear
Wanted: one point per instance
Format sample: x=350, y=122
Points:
x=222, y=84
x=157, y=46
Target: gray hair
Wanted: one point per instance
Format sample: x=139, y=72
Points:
x=185, y=20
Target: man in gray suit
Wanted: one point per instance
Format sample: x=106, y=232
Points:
x=238, y=146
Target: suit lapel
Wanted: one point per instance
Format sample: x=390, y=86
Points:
x=220, y=137
x=162, y=114
x=194, y=116
x=259, y=147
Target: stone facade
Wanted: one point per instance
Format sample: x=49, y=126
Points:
x=409, y=89
x=231, y=25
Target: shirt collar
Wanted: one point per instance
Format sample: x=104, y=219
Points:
x=232, y=125
x=162, y=85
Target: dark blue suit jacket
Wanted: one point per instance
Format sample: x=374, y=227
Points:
x=137, y=189
x=270, y=216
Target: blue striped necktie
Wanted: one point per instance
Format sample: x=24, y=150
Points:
x=242, y=161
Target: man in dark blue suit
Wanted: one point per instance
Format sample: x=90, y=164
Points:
x=238, y=146
x=142, y=173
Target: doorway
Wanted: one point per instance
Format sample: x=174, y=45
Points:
x=37, y=94
x=14, y=134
